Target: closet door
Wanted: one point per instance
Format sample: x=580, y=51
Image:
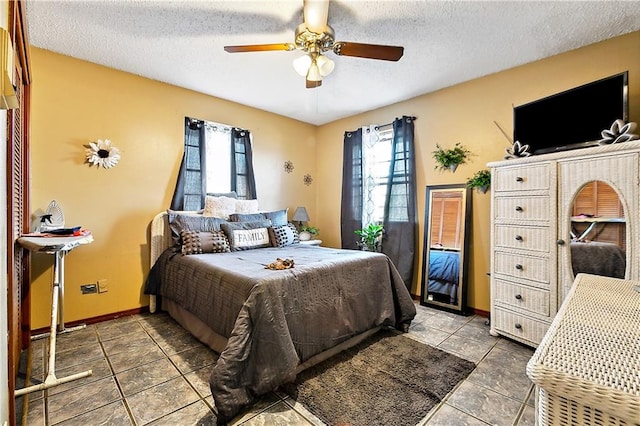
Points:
x=18, y=312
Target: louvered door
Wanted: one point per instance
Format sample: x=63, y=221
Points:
x=18, y=314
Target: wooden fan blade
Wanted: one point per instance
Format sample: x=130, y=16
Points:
x=311, y=84
x=316, y=13
x=370, y=51
x=260, y=47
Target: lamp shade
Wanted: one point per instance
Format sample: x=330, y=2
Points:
x=300, y=215
x=302, y=64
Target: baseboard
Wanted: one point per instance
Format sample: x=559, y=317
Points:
x=94, y=320
x=474, y=311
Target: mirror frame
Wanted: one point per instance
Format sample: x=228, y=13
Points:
x=461, y=306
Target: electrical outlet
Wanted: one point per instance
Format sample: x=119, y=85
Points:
x=88, y=288
x=102, y=286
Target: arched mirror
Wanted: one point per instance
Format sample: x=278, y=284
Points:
x=598, y=231
x=446, y=236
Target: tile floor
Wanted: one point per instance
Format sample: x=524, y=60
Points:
x=148, y=370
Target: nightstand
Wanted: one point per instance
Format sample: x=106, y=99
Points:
x=311, y=242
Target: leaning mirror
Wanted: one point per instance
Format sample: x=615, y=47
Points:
x=447, y=212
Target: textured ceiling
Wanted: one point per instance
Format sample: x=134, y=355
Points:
x=446, y=42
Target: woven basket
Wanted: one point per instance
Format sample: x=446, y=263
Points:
x=587, y=367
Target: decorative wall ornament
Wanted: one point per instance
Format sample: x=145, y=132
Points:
x=288, y=166
x=517, y=150
x=307, y=180
x=101, y=153
x=619, y=132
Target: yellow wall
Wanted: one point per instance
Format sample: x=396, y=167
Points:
x=466, y=113
x=74, y=102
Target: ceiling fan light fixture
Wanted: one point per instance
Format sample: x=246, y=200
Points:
x=314, y=73
x=302, y=64
x=325, y=65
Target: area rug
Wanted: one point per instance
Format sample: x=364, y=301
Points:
x=388, y=379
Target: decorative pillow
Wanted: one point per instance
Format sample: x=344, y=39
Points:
x=278, y=217
x=248, y=217
x=220, y=207
x=246, y=206
x=204, y=242
x=247, y=235
x=282, y=236
x=191, y=221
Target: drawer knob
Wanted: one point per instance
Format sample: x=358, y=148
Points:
x=560, y=242
x=519, y=179
x=518, y=237
x=518, y=267
x=518, y=296
x=518, y=326
x=518, y=208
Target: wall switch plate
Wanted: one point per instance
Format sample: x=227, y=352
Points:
x=102, y=286
x=88, y=288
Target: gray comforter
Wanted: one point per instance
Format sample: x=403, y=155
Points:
x=275, y=320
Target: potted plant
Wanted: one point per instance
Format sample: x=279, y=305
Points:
x=308, y=232
x=481, y=180
x=370, y=237
x=450, y=158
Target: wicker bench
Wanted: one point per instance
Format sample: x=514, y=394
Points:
x=587, y=367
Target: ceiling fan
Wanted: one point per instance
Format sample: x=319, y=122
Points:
x=315, y=37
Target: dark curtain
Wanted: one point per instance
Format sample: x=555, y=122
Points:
x=191, y=183
x=400, y=224
x=242, y=178
x=351, y=210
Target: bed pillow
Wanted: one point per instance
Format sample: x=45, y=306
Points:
x=282, y=236
x=246, y=206
x=194, y=242
x=191, y=221
x=246, y=217
x=220, y=207
x=278, y=217
x=247, y=235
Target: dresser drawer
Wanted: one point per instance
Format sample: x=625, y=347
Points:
x=521, y=296
x=523, y=267
x=523, y=178
x=522, y=237
x=519, y=326
x=522, y=209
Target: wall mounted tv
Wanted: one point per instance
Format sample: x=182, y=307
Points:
x=574, y=118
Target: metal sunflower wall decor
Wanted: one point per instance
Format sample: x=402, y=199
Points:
x=101, y=153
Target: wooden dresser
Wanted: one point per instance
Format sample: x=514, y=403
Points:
x=531, y=210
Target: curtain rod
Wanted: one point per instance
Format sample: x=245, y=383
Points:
x=379, y=127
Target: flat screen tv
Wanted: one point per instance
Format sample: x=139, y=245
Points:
x=573, y=118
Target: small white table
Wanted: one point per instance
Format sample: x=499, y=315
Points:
x=58, y=247
x=311, y=242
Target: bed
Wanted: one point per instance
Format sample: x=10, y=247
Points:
x=444, y=275
x=598, y=258
x=267, y=325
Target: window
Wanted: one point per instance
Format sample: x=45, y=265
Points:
x=217, y=159
x=377, y=150
x=217, y=140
